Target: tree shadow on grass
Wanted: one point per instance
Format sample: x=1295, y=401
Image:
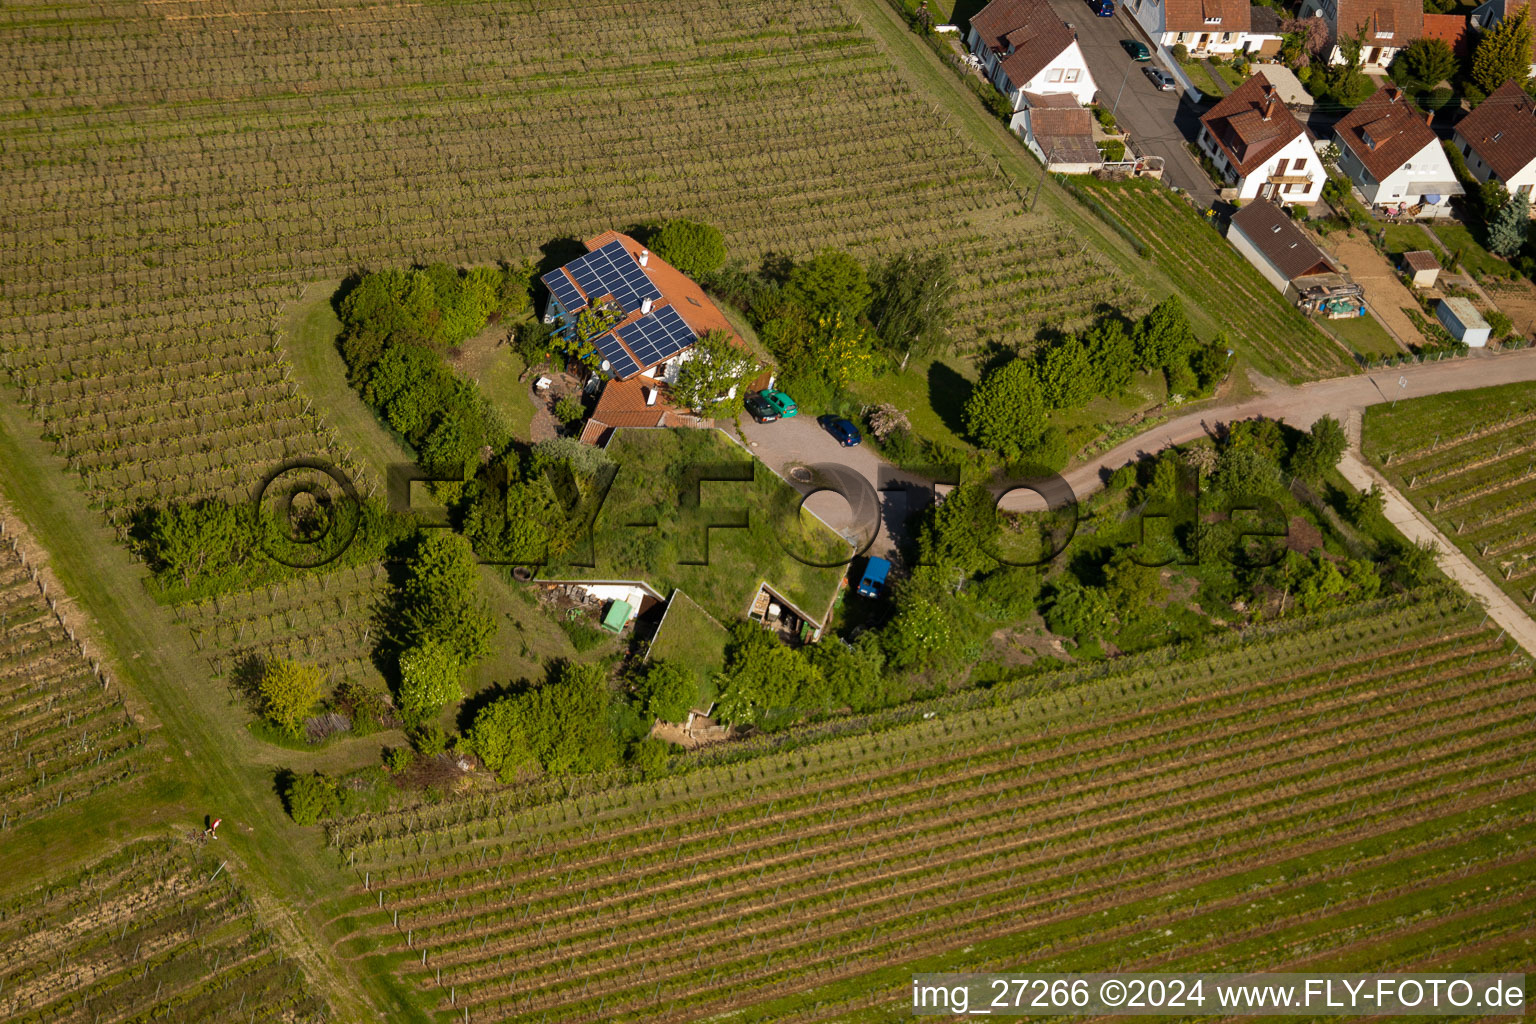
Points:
x=947, y=392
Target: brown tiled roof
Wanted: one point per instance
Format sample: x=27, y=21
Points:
x=1502, y=130
x=1384, y=132
x=622, y=404
x=1251, y=124
x=1455, y=30
x=1062, y=128
x=1403, y=19
x=1195, y=15
x=1280, y=240
x=1263, y=20
x=1026, y=35
x=1420, y=259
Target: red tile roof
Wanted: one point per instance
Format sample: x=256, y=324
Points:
x=1384, y=132
x=1025, y=35
x=1251, y=124
x=1198, y=15
x=1502, y=130
x=1420, y=259
x=623, y=404
x=1063, y=129
x=1455, y=30
x=1387, y=22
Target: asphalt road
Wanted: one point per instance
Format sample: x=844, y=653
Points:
x=1159, y=122
x=788, y=446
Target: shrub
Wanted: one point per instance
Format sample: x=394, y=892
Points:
x=1181, y=53
x=288, y=691
x=665, y=690
x=569, y=410
x=429, y=739
x=1006, y=412
x=429, y=679
x=366, y=707
x=649, y=756
x=310, y=798
x=1112, y=149
x=397, y=759
x=693, y=248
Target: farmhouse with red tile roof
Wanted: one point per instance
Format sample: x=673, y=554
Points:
x=1024, y=46
x=1260, y=147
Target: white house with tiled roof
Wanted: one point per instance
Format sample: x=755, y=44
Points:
x=1203, y=26
x=1389, y=26
x=1394, y=157
x=1261, y=149
x=1498, y=139
x=1025, y=47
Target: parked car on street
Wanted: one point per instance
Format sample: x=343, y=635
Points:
x=780, y=401
x=1160, y=78
x=843, y=431
x=1103, y=8
x=759, y=408
x=1136, y=48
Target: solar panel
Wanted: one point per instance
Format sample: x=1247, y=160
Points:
x=611, y=270
x=564, y=292
x=619, y=363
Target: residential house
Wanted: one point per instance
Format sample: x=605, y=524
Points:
x=649, y=314
x=1260, y=147
x=1025, y=48
x=636, y=402
x=1292, y=262
x=1394, y=157
x=1203, y=26
x=1060, y=132
x=1498, y=139
x=1382, y=26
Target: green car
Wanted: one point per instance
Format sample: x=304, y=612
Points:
x=780, y=401
x=1137, y=49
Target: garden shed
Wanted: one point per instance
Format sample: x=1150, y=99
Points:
x=1421, y=267
x=1464, y=322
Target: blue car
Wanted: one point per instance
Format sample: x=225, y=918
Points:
x=844, y=431
x=1103, y=8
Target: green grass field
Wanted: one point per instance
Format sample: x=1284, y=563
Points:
x=1466, y=461
x=689, y=636
x=1365, y=335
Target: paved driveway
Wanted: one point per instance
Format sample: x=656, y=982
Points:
x=1159, y=122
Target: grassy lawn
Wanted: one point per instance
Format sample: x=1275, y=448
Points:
x=642, y=533
x=689, y=636
x=1202, y=79
x=309, y=337
x=932, y=392
x=1465, y=250
x=1403, y=238
x=496, y=368
x=1230, y=75
x=1086, y=425
x=1364, y=335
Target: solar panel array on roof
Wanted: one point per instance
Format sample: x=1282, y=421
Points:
x=611, y=270
x=616, y=361
x=658, y=337
x=564, y=292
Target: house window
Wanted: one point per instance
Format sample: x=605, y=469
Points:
x=1466, y=149
x=1072, y=74
x=1054, y=76
x=1525, y=191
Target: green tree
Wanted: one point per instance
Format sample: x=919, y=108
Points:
x=1504, y=52
x=1083, y=613
x=430, y=679
x=932, y=628
x=197, y=540
x=1113, y=354
x=1068, y=377
x=854, y=673
x=568, y=409
x=957, y=531
x=666, y=690
x=762, y=677
x=715, y=376
x=1363, y=506
x=496, y=737
x=1164, y=337
x=438, y=600
x=1425, y=63
x=1006, y=412
x=1133, y=591
x=310, y=798
x=288, y=691
x=1320, y=449
x=912, y=303
x=830, y=283
x=1507, y=230
x=696, y=249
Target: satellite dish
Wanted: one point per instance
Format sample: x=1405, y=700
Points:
x=605, y=366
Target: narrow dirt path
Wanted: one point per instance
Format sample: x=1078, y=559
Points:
x=1417, y=528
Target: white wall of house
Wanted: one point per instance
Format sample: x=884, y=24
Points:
x=1251, y=253
x=1211, y=38
x=1524, y=181
x=1066, y=73
x=1427, y=173
x=1299, y=160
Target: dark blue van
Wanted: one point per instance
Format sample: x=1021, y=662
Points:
x=1103, y=8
